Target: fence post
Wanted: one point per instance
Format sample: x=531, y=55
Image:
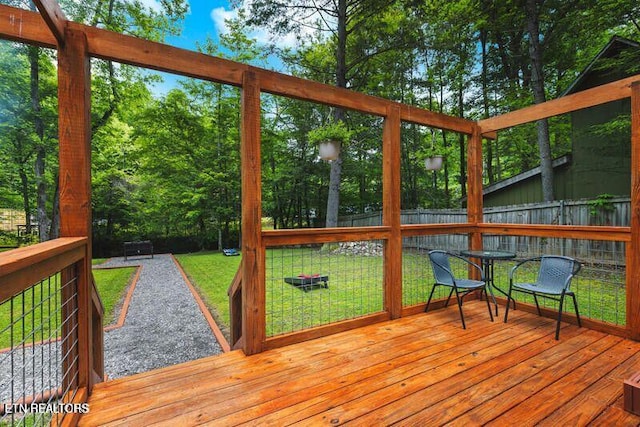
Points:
x=391, y=211
x=563, y=219
x=633, y=247
x=474, y=190
x=253, y=268
x=74, y=104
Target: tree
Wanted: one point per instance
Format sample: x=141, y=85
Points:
x=30, y=125
x=539, y=96
x=340, y=20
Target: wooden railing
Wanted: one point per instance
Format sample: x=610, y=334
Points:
x=235, y=309
x=77, y=43
x=49, y=283
x=273, y=239
x=604, y=280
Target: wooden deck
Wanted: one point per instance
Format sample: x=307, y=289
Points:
x=420, y=370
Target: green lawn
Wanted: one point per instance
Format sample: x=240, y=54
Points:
x=600, y=291
x=44, y=298
x=211, y=273
x=355, y=286
x=112, y=285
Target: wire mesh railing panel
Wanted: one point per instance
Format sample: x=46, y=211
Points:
x=322, y=284
x=599, y=286
x=417, y=276
x=39, y=351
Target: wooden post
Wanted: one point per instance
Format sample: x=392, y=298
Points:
x=74, y=100
x=253, y=268
x=474, y=190
x=633, y=247
x=391, y=209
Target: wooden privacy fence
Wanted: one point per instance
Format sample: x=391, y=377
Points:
x=613, y=212
x=608, y=212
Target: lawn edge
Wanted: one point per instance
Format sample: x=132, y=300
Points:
x=127, y=299
x=121, y=317
x=224, y=344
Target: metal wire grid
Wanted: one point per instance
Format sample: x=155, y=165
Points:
x=39, y=356
x=354, y=287
x=417, y=276
x=599, y=286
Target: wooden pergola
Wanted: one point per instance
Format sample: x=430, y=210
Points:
x=77, y=44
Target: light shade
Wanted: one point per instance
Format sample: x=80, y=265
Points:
x=329, y=150
x=433, y=163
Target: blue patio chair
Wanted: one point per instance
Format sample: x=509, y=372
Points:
x=553, y=281
x=462, y=287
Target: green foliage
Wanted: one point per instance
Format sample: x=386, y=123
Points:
x=601, y=204
x=336, y=131
x=168, y=165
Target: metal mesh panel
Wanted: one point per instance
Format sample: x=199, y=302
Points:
x=417, y=276
x=39, y=351
x=599, y=286
x=322, y=284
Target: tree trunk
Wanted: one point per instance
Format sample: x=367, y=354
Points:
x=333, y=198
x=24, y=189
x=485, y=102
x=447, y=191
x=54, y=231
x=537, y=85
x=42, y=217
x=462, y=146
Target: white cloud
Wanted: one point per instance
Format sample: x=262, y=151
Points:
x=153, y=5
x=219, y=15
x=263, y=36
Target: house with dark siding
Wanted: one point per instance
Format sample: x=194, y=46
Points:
x=600, y=159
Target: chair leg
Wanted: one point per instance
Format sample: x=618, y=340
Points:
x=575, y=305
x=506, y=311
x=460, y=308
x=559, y=317
x=535, y=298
x=446, y=304
x=430, y=296
x=489, y=307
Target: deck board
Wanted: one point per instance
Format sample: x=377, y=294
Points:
x=419, y=370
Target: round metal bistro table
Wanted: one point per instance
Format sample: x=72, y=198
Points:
x=488, y=258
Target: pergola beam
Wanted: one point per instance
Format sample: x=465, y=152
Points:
x=584, y=99
x=54, y=17
x=157, y=56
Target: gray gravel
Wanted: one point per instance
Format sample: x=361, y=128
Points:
x=164, y=325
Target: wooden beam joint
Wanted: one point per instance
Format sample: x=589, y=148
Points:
x=54, y=17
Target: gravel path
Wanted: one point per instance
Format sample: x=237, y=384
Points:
x=164, y=325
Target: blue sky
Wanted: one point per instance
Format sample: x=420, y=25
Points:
x=201, y=22
x=206, y=18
